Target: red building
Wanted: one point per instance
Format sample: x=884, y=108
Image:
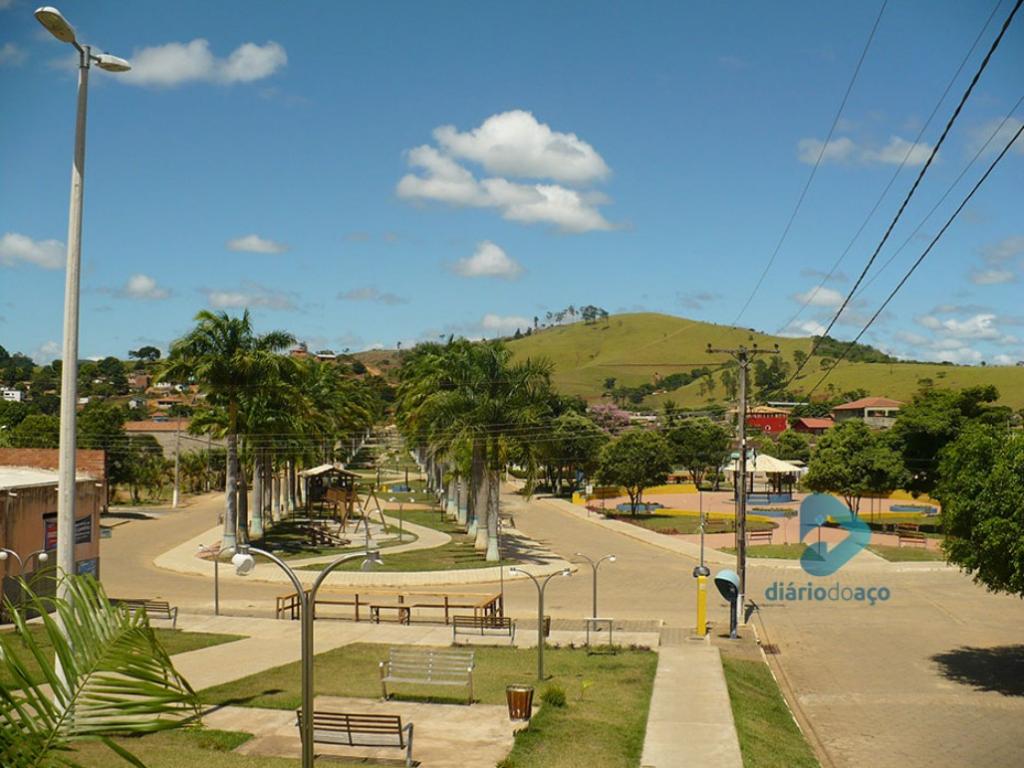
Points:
x=810, y=425
x=771, y=421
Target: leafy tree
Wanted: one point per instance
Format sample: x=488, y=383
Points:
x=101, y=426
x=933, y=420
x=792, y=446
x=981, y=487
x=12, y=414
x=671, y=411
x=852, y=461
x=609, y=383
x=699, y=445
x=16, y=368
x=36, y=430
x=770, y=377
x=146, y=354
x=610, y=418
x=575, y=444
x=636, y=460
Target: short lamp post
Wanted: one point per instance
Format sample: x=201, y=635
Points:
x=244, y=564
x=59, y=27
x=594, y=565
x=541, y=586
x=213, y=553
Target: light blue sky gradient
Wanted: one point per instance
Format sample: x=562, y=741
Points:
x=702, y=114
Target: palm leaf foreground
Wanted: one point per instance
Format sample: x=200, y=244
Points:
x=112, y=677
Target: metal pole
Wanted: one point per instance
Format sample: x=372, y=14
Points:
x=700, y=506
x=540, y=628
x=741, y=510
x=69, y=360
x=216, y=587
x=594, y=609
x=177, y=451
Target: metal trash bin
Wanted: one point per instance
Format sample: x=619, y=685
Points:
x=520, y=701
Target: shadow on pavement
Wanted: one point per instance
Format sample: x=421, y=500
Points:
x=999, y=669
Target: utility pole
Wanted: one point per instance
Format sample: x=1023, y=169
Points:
x=743, y=356
x=177, y=452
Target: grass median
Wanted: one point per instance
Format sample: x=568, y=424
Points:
x=602, y=723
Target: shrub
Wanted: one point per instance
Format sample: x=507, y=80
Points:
x=553, y=695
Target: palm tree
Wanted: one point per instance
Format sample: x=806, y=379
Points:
x=114, y=678
x=226, y=358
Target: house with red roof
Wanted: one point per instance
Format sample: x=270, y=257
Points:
x=811, y=425
x=878, y=412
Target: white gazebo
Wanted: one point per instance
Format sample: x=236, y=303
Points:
x=775, y=476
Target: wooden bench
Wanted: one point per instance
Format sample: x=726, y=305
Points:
x=428, y=666
x=765, y=536
x=910, y=534
x=355, y=730
x=154, y=608
x=473, y=624
x=717, y=526
x=404, y=611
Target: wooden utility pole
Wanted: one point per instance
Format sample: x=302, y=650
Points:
x=743, y=356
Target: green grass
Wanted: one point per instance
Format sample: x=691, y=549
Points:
x=685, y=524
x=602, y=725
x=173, y=640
x=769, y=738
x=184, y=748
x=633, y=347
x=783, y=551
x=914, y=554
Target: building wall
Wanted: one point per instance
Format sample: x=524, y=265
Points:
x=23, y=523
x=770, y=423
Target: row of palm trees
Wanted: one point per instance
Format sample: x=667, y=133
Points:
x=470, y=410
x=276, y=413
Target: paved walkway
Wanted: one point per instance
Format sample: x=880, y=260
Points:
x=690, y=722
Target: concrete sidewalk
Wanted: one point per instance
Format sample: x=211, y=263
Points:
x=690, y=722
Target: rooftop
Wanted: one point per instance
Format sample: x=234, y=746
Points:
x=30, y=477
x=814, y=422
x=157, y=425
x=868, y=402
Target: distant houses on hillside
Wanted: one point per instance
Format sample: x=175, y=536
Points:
x=875, y=412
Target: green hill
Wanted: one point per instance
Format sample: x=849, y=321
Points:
x=636, y=349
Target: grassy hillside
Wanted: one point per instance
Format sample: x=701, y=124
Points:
x=634, y=347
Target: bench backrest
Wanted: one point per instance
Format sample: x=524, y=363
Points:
x=482, y=621
x=430, y=663
x=153, y=605
x=376, y=729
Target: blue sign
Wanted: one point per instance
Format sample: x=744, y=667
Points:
x=818, y=559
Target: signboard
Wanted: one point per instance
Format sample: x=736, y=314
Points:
x=90, y=567
x=83, y=530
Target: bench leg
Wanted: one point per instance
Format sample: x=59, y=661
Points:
x=408, y=747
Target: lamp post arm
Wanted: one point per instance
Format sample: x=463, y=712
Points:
x=21, y=564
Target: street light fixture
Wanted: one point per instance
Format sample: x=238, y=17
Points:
x=39, y=554
x=244, y=563
x=60, y=28
x=541, y=586
x=595, y=564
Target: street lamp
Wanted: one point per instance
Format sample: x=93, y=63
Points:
x=595, y=564
x=245, y=563
x=59, y=27
x=541, y=586
x=39, y=554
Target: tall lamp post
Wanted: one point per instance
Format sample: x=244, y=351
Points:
x=594, y=565
x=59, y=27
x=39, y=553
x=244, y=564
x=541, y=586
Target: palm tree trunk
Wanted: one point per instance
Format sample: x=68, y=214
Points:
x=275, y=510
x=476, y=479
x=493, y=491
x=257, y=495
x=231, y=494
x=462, y=501
x=451, y=502
x=243, y=506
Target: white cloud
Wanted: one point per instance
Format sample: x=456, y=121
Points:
x=992, y=276
x=515, y=144
x=143, y=287
x=845, y=150
x=996, y=136
x=820, y=297
x=251, y=295
x=11, y=55
x=256, y=244
x=1005, y=250
x=981, y=326
x=48, y=254
x=176, y=63
x=803, y=328
x=503, y=324
x=1004, y=359
x=370, y=293
x=443, y=179
x=46, y=352
x=489, y=260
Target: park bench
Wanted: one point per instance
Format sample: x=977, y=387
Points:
x=403, y=611
x=717, y=526
x=428, y=666
x=160, y=609
x=481, y=624
x=910, y=534
x=354, y=730
x=765, y=536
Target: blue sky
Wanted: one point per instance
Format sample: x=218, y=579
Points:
x=366, y=173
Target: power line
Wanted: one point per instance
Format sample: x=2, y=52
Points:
x=835, y=265
x=913, y=188
x=921, y=258
x=817, y=163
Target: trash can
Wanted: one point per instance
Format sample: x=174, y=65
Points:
x=520, y=701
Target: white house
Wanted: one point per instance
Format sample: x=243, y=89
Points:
x=13, y=395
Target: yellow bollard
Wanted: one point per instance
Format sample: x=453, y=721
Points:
x=702, y=605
